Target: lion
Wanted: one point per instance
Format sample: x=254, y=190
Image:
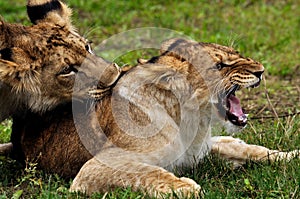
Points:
x=38, y=63
x=159, y=119
x=143, y=124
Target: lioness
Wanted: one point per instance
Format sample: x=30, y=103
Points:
x=156, y=118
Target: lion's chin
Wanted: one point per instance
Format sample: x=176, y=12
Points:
x=220, y=124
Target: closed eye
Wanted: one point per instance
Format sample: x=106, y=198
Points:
x=68, y=71
x=89, y=48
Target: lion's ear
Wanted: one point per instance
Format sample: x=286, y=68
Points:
x=173, y=45
x=51, y=11
x=20, y=78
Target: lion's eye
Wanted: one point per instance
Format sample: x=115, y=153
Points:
x=221, y=65
x=89, y=48
x=68, y=70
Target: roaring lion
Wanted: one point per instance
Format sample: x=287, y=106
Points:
x=155, y=119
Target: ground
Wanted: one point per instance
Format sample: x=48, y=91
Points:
x=267, y=31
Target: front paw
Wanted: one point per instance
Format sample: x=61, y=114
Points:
x=182, y=188
x=190, y=189
x=287, y=155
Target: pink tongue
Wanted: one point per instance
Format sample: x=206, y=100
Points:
x=235, y=107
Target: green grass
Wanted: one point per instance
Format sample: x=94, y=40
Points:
x=267, y=31
x=5, y=131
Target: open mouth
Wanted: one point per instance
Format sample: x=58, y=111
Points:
x=229, y=106
x=234, y=112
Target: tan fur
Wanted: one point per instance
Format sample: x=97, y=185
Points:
x=239, y=152
x=156, y=119
x=38, y=63
x=132, y=155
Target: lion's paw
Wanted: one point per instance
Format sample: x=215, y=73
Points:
x=288, y=155
x=192, y=188
x=184, y=188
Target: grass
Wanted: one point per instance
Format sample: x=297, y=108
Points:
x=267, y=31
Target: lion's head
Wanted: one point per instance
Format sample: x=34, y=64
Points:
x=213, y=70
x=39, y=63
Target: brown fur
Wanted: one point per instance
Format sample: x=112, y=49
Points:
x=157, y=118
x=38, y=63
x=123, y=142
x=50, y=140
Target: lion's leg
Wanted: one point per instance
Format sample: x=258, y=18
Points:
x=6, y=148
x=96, y=176
x=238, y=151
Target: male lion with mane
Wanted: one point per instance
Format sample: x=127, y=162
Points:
x=155, y=119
